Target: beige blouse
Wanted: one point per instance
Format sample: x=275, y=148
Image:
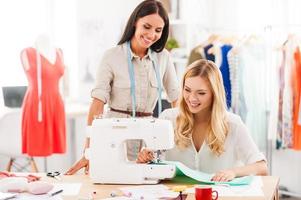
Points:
x=113, y=80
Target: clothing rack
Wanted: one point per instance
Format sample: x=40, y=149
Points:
x=267, y=29
x=269, y=146
x=234, y=29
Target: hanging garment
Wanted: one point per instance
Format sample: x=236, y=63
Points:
x=296, y=72
x=299, y=115
x=254, y=87
x=287, y=105
x=224, y=68
x=273, y=60
x=280, y=107
x=209, y=56
x=236, y=68
x=46, y=135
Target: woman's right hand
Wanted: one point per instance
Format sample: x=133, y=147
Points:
x=83, y=162
x=145, y=156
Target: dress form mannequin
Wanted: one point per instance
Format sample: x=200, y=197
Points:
x=43, y=115
x=43, y=45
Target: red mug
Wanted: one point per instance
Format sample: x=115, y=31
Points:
x=205, y=193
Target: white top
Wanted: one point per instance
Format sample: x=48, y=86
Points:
x=239, y=147
x=44, y=47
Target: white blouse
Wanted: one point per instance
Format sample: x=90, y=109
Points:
x=239, y=147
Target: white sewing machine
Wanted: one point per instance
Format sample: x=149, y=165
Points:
x=107, y=153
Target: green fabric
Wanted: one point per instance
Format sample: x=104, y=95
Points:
x=186, y=175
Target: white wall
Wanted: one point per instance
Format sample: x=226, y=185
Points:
x=16, y=34
x=100, y=25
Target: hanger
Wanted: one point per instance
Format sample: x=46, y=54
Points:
x=251, y=39
x=290, y=37
x=238, y=43
x=225, y=40
x=211, y=39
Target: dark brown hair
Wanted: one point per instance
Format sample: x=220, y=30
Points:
x=145, y=8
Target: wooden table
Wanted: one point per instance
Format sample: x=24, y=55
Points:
x=270, y=188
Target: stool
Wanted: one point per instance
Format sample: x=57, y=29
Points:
x=10, y=142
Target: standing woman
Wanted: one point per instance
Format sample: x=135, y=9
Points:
x=132, y=75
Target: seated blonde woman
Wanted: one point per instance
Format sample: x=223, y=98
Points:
x=207, y=137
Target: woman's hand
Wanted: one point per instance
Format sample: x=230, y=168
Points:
x=145, y=156
x=83, y=162
x=224, y=176
x=257, y=168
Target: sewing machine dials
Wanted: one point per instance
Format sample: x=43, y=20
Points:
x=107, y=154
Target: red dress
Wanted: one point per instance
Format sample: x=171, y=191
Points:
x=47, y=135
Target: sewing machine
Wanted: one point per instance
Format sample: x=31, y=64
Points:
x=107, y=153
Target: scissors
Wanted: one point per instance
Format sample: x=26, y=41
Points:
x=55, y=175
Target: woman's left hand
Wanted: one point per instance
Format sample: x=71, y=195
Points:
x=224, y=176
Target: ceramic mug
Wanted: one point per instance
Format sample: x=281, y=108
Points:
x=205, y=193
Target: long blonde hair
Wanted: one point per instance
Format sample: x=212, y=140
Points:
x=218, y=126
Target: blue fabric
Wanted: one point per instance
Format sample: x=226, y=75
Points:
x=132, y=79
x=209, y=56
x=159, y=86
x=133, y=85
x=224, y=68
